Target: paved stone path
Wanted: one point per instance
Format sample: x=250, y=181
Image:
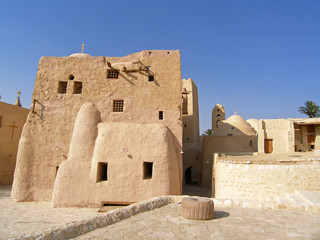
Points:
x=166, y=223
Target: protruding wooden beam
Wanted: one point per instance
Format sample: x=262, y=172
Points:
x=109, y=64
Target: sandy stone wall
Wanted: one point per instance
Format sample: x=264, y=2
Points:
x=64, y=84
x=263, y=182
x=12, y=119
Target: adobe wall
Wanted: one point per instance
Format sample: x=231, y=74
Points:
x=125, y=148
x=282, y=133
x=190, y=115
x=45, y=140
x=12, y=119
x=223, y=144
x=263, y=182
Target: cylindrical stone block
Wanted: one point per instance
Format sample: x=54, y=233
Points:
x=197, y=208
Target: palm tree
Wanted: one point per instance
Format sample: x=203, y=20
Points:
x=208, y=132
x=310, y=108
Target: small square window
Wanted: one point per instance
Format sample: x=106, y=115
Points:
x=102, y=172
x=117, y=105
x=112, y=73
x=151, y=78
x=62, y=87
x=147, y=170
x=77, y=87
x=160, y=115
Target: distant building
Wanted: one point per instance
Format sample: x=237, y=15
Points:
x=12, y=119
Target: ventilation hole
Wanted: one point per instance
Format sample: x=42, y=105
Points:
x=112, y=73
x=71, y=77
x=160, y=115
x=149, y=53
x=151, y=78
x=118, y=105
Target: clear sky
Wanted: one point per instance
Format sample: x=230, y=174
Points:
x=260, y=58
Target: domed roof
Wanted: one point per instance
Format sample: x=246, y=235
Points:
x=234, y=126
x=79, y=55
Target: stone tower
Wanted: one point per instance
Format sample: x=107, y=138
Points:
x=218, y=114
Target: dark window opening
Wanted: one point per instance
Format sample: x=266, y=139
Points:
x=168, y=52
x=310, y=128
x=62, y=87
x=149, y=53
x=1, y=117
x=147, y=170
x=77, y=87
x=112, y=73
x=218, y=116
x=71, y=77
x=218, y=110
x=185, y=125
x=102, y=172
x=151, y=78
x=117, y=105
x=160, y=115
x=188, y=139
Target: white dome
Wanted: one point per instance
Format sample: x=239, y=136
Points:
x=79, y=55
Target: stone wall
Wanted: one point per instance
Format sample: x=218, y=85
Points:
x=263, y=182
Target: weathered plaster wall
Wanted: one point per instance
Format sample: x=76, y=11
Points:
x=282, y=133
x=191, y=136
x=257, y=125
x=12, y=119
x=124, y=147
x=46, y=138
x=263, y=182
x=213, y=144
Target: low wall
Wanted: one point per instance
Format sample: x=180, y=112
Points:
x=263, y=182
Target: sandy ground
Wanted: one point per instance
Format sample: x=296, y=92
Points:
x=28, y=217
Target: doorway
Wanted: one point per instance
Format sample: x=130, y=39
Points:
x=268, y=145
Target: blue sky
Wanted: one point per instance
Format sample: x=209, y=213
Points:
x=260, y=58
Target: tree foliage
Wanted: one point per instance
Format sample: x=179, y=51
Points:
x=311, y=109
x=208, y=132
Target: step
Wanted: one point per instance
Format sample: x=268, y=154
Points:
x=296, y=199
x=312, y=197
